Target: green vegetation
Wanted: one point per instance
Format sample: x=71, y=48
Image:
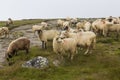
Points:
x=18, y=23
x=102, y=64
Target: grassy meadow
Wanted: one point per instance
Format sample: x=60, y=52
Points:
x=102, y=64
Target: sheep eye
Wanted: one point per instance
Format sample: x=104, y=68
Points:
x=56, y=38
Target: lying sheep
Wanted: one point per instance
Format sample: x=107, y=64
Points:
x=21, y=43
x=63, y=45
x=45, y=35
x=4, y=31
x=83, y=39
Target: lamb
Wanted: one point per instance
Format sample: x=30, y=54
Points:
x=83, y=39
x=45, y=35
x=62, y=45
x=21, y=43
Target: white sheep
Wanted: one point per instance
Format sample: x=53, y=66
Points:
x=87, y=26
x=36, y=27
x=45, y=35
x=44, y=24
x=4, y=31
x=83, y=39
x=60, y=23
x=98, y=26
x=66, y=24
x=62, y=46
x=112, y=28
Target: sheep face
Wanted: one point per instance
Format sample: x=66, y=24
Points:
x=63, y=34
x=39, y=31
x=59, y=39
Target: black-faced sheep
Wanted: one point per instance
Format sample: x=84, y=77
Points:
x=45, y=35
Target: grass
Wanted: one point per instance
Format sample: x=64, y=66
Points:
x=102, y=64
x=18, y=23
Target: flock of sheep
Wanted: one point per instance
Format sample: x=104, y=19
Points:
x=69, y=36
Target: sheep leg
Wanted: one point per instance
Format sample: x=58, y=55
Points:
x=86, y=52
x=42, y=44
x=45, y=45
x=27, y=51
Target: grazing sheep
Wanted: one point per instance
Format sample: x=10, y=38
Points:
x=21, y=43
x=62, y=45
x=83, y=39
x=4, y=31
x=45, y=35
x=44, y=24
x=36, y=27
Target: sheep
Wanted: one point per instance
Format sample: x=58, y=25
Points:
x=66, y=24
x=62, y=45
x=79, y=25
x=68, y=18
x=98, y=26
x=36, y=27
x=4, y=31
x=21, y=43
x=112, y=28
x=44, y=24
x=73, y=21
x=87, y=26
x=83, y=39
x=45, y=35
x=113, y=20
x=10, y=21
x=70, y=29
x=60, y=23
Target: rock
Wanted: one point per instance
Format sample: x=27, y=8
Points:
x=38, y=62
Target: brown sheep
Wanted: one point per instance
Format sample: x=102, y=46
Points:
x=21, y=43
